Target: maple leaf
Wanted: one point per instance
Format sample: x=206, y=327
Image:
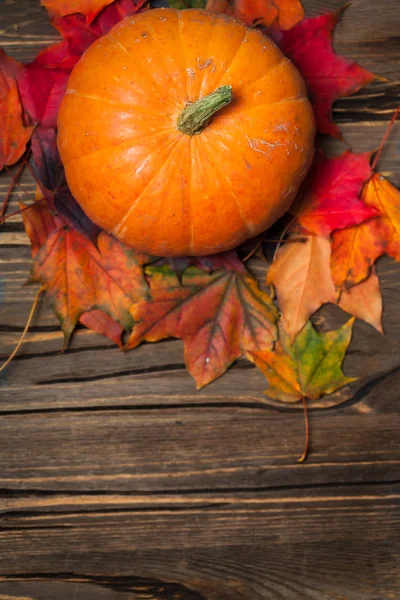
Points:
x=78, y=34
x=219, y=316
x=307, y=368
x=364, y=301
x=101, y=322
x=355, y=250
x=41, y=92
x=328, y=76
x=382, y=195
x=283, y=13
x=78, y=277
x=89, y=8
x=14, y=133
x=303, y=280
x=330, y=196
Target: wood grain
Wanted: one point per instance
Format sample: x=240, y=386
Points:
x=119, y=481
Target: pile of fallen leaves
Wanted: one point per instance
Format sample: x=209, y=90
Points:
x=344, y=218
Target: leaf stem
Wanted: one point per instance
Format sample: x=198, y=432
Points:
x=29, y=321
x=307, y=432
x=388, y=130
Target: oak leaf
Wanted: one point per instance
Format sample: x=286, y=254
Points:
x=307, y=368
x=89, y=8
x=283, y=13
x=330, y=197
x=219, y=316
x=301, y=275
x=327, y=75
x=364, y=301
x=78, y=276
x=14, y=132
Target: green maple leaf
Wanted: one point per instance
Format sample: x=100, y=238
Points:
x=308, y=368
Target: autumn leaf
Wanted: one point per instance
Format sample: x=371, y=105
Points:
x=301, y=275
x=79, y=35
x=364, y=301
x=41, y=92
x=382, y=195
x=101, y=322
x=219, y=316
x=284, y=13
x=330, y=197
x=79, y=276
x=327, y=75
x=89, y=8
x=14, y=133
x=307, y=368
x=355, y=250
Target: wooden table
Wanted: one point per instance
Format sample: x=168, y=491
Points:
x=119, y=481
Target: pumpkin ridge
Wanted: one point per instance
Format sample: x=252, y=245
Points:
x=267, y=73
x=289, y=100
x=119, y=225
x=126, y=144
x=146, y=73
x=182, y=51
x=246, y=223
x=190, y=193
x=109, y=102
x=218, y=83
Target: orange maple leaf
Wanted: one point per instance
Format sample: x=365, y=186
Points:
x=355, y=249
x=219, y=316
x=303, y=280
x=284, y=13
x=14, y=134
x=89, y=8
x=364, y=301
x=78, y=276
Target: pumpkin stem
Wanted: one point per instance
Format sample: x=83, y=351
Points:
x=196, y=115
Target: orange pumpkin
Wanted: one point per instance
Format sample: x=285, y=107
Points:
x=185, y=132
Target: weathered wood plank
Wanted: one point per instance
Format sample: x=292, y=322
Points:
x=317, y=548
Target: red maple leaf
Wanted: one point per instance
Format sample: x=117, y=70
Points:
x=219, y=316
x=330, y=197
x=41, y=92
x=14, y=132
x=327, y=75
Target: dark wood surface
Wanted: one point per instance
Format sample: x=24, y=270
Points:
x=118, y=481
